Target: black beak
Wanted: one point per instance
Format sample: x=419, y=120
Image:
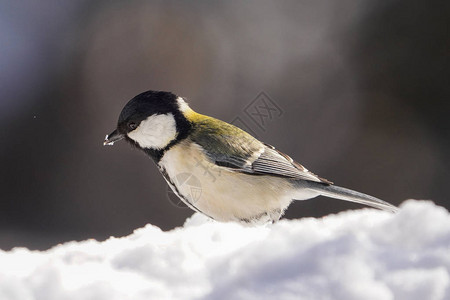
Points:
x=113, y=137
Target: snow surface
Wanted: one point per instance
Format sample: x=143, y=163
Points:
x=363, y=254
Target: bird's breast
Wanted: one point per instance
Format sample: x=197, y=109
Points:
x=222, y=193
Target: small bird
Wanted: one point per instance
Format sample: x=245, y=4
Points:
x=238, y=177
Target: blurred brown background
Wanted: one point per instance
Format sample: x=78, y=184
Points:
x=363, y=87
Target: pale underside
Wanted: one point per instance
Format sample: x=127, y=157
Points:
x=223, y=193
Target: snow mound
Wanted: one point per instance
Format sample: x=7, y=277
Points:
x=364, y=254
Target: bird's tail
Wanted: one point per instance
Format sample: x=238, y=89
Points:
x=350, y=195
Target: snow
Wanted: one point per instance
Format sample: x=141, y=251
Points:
x=362, y=254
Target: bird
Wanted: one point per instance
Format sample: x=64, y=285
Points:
x=218, y=169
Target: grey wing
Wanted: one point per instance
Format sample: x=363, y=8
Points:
x=274, y=162
x=246, y=154
x=267, y=161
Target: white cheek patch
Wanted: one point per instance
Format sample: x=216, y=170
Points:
x=155, y=132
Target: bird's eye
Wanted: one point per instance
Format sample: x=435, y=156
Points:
x=132, y=126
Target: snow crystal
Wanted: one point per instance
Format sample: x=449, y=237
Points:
x=363, y=254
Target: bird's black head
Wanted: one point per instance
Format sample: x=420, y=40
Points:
x=153, y=121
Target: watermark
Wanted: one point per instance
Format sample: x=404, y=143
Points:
x=254, y=119
x=207, y=171
x=187, y=184
x=262, y=110
x=257, y=114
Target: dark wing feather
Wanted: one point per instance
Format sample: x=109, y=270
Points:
x=230, y=147
x=274, y=162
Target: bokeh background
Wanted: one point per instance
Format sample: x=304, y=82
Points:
x=363, y=87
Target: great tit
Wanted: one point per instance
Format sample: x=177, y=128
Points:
x=238, y=178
